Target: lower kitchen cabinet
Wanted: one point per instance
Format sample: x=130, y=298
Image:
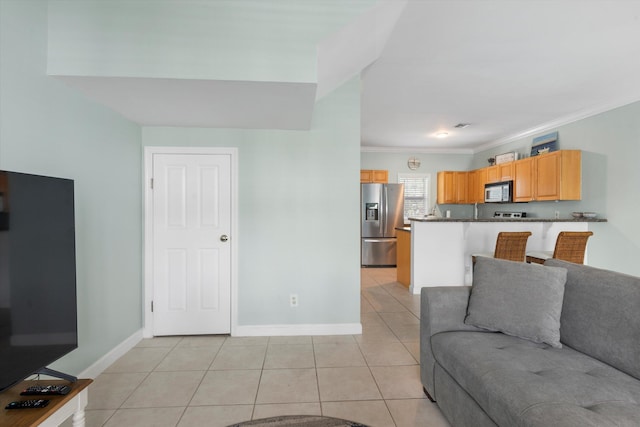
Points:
x=403, y=257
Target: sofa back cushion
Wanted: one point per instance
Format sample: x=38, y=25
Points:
x=516, y=298
x=601, y=315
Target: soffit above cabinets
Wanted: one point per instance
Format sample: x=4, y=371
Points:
x=226, y=64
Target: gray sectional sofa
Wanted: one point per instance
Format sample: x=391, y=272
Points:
x=484, y=373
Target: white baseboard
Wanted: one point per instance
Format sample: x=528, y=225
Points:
x=298, y=330
x=240, y=331
x=107, y=360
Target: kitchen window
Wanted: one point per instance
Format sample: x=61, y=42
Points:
x=416, y=194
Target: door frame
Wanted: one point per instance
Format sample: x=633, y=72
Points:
x=147, y=327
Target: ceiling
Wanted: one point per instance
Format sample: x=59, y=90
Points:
x=509, y=69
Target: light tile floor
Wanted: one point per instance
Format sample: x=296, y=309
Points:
x=373, y=378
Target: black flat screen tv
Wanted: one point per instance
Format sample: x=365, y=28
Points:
x=38, y=312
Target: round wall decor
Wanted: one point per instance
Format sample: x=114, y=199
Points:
x=413, y=163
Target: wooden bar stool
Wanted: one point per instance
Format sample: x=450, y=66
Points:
x=570, y=246
x=510, y=245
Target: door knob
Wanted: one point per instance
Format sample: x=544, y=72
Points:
x=224, y=238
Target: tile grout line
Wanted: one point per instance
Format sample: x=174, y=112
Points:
x=371, y=371
x=264, y=361
x=315, y=367
x=201, y=379
x=383, y=288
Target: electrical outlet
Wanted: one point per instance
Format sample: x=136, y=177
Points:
x=293, y=300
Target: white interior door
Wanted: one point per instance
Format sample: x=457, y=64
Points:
x=191, y=229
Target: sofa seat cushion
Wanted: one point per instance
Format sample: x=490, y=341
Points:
x=522, y=383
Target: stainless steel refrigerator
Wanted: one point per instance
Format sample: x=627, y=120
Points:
x=382, y=210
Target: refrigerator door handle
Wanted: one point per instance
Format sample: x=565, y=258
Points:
x=383, y=240
x=385, y=201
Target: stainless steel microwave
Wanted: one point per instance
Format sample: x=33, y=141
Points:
x=498, y=192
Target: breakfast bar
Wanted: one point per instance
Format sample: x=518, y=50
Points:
x=441, y=248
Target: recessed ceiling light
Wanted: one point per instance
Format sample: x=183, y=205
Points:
x=442, y=134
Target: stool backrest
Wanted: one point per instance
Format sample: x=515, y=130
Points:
x=571, y=246
x=511, y=245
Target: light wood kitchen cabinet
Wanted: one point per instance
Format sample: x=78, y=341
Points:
x=472, y=183
x=505, y=171
x=453, y=187
x=548, y=172
x=492, y=173
x=524, y=177
x=477, y=179
x=499, y=173
x=558, y=175
x=461, y=184
x=552, y=176
x=447, y=192
x=403, y=257
x=374, y=175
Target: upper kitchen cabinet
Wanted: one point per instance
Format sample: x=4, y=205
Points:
x=453, y=187
x=461, y=183
x=374, y=175
x=499, y=173
x=492, y=174
x=506, y=171
x=524, y=177
x=477, y=180
x=447, y=191
x=559, y=175
x=552, y=176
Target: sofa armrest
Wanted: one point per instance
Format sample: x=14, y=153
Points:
x=442, y=309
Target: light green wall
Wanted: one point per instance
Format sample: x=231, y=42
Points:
x=298, y=213
x=47, y=128
x=242, y=40
x=610, y=144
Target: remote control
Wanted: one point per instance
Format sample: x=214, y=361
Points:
x=45, y=390
x=28, y=404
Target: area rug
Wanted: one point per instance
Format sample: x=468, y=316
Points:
x=299, y=420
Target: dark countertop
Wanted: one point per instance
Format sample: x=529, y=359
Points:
x=403, y=228
x=437, y=219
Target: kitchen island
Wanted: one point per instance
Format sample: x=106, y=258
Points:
x=441, y=248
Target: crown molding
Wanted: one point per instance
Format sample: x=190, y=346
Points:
x=554, y=124
x=404, y=150
x=544, y=127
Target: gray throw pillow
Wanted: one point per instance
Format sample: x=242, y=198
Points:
x=516, y=298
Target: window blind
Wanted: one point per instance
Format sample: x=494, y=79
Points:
x=416, y=194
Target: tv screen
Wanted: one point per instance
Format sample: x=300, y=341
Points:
x=38, y=317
